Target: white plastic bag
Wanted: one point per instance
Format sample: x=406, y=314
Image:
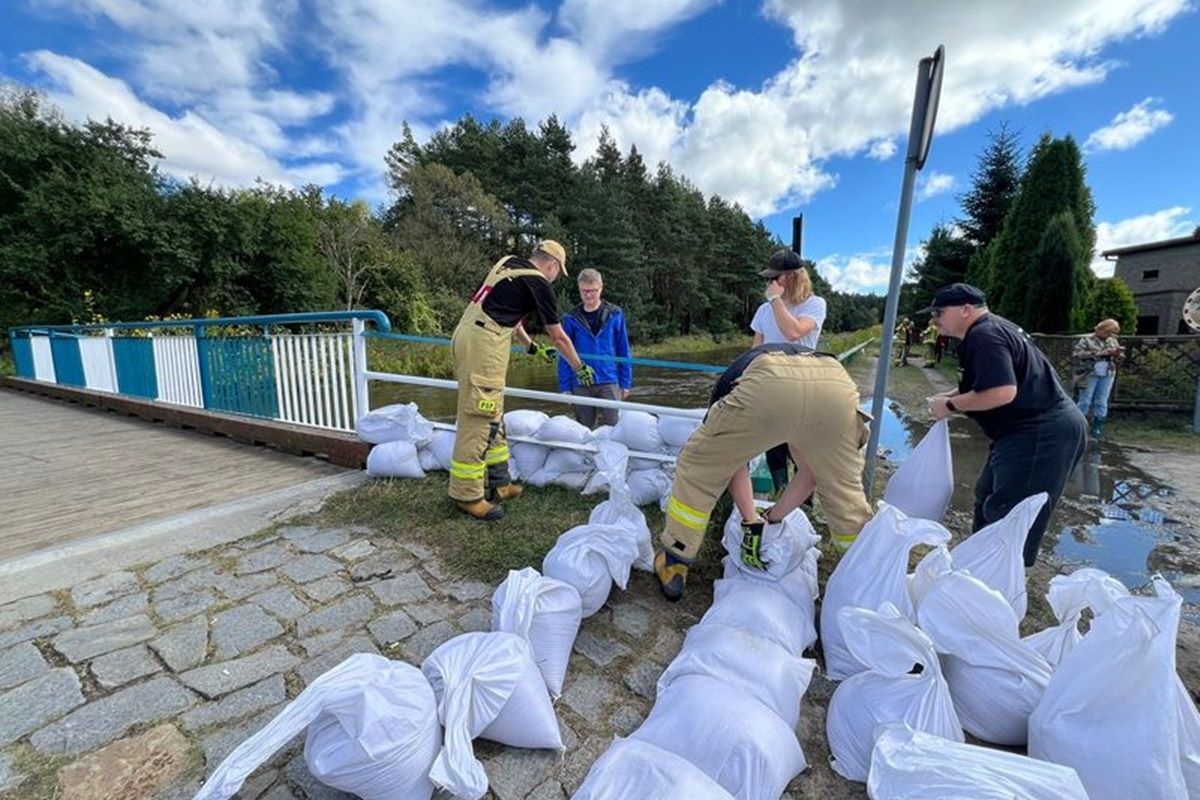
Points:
x=395, y=459
x=902, y=683
x=638, y=431
x=936, y=562
x=740, y=660
x=784, y=544
x=592, y=558
x=529, y=458
x=619, y=510
x=994, y=554
x=396, y=423
x=546, y=613
x=488, y=686
x=611, y=460
x=524, y=422
x=995, y=679
x=873, y=572
x=372, y=731
x=647, y=486
x=733, y=738
x=759, y=609
x=911, y=765
x=437, y=452
x=675, y=431
x=631, y=769
x=799, y=586
x=1068, y=596
x=924, y=483
x=562, y=428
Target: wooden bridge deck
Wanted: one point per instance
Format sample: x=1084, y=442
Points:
x=69, y=472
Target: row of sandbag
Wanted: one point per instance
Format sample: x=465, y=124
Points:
x=940, y=651
x=727, y=708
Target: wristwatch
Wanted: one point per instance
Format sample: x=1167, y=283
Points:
x=950, y=404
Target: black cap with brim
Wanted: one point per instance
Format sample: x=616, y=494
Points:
x=956, y=294
x=782, y=262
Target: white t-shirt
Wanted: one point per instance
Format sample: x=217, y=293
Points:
x=764, y=322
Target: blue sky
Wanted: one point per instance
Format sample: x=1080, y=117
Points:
x=786, y=106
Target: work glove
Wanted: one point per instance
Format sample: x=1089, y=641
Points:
x=585, y=375
x=543, y=351
x=752, y=533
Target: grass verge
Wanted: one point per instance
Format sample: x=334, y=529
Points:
x=1157, y=432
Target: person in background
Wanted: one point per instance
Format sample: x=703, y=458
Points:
x=904, y=337
x=791, y=314
x=929, y=339
x=1095, y=361
x=597, y=327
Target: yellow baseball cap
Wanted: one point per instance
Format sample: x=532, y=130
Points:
x=555, y=251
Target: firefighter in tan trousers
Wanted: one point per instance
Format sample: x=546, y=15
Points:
x=513, y=290
x=770, y=395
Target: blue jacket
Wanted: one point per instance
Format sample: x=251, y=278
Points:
x=613, y=340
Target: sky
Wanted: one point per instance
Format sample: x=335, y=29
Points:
x=785, y=106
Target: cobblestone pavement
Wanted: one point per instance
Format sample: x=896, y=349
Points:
x=137, y=684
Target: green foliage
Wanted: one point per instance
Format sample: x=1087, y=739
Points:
x=1056, y=306
x=1112, y=299
x=994, y=186
x=945, y=261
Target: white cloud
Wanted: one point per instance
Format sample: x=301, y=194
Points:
x=882, y=149
x=864, y=273
x=1168, y=223
x=933, y=184
x=1129, y=127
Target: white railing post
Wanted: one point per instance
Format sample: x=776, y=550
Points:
x=112, y=359
x=362, y=402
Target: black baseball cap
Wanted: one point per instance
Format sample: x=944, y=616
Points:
x=956, y=294
x=782, y=261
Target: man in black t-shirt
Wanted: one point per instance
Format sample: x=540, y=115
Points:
x=1012, y=391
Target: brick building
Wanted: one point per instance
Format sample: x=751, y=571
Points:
x=1161, y=275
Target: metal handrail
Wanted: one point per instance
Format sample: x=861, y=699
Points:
x=382, y=323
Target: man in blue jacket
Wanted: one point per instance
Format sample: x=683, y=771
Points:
x=597, y=327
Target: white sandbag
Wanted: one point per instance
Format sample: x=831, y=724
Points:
x=934, y=564
x=528, y=458
x=784, y=544
x=1111, y=710
x=924, y=483
x=675, y=431
x=372, y=731
x=638, y=431
x=562, y=460
x=436, y=453
x=799, y=586
x=911, y=765
x=488, y=686
x=611, y=460
x=395, y=459
x=994, y=554
x=396, y=423
x=642, y=464
x=648, y=486
x=733, y=738
x=759, y=609
x=524, y=422
x=873, y=571
x=631, y=768
x=619, y=510
x=1068, y=596
x=574, y=481
x=546, y=613
x=562, y=428
x=740, y=660
x=602, y=433
x=995, y=679
x=592, y=558
x=902, y=683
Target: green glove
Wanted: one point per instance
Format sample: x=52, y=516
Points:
x=585, y=375
x=542, y=351
x=752, y=533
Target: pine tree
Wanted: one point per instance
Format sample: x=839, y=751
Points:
x=1059, y=257
x=1112, y=299
x=994, y=185
x=945, y=261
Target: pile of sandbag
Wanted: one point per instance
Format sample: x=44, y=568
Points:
x=400, y=434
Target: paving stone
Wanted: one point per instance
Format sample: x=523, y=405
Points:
x=381, y=567
x=587, y=695
x=601, y=650
x=9, y=777
x=101, y=721
x=310, y=568
x=475, y=620
x=233, y=706
x=514, y=772
x=120, y=608
x=436, y=568
x=215, y=680
x=257, y=784
x=642, y=679
x=407, y=587
x=318, y=666
x=184, y=605
x=359, y=548
x=550, y=790
x=261, y=560
x=173, y=567
x=224, y=740
x=279, y=792
x=39, y=629
x=462, y=591
x=84, y=643
x=197, y=580
x=625, y=720
x=236, y=588
x=430, y=612
x=130, y=769
x=103, y=589
x=326, y=589
x=426, y=640
x=13, y=614
x=34, y=703
x=341, y=615
x=282, y=603
x=186, y=789
x=242, y=629
x=320, y=541
x=183, y=646
x=119, y=668
x=321, y=642
x=22, y=663
x=393, y=627
x=293, y=532
x=297, y=772
x=578, y=761
x=419, y=550
x=666, y=645
x=633, y=620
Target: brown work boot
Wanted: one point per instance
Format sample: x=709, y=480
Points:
x=481, y=509
x=509, y=491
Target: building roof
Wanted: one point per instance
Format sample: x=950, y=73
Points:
x=1161, y=245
